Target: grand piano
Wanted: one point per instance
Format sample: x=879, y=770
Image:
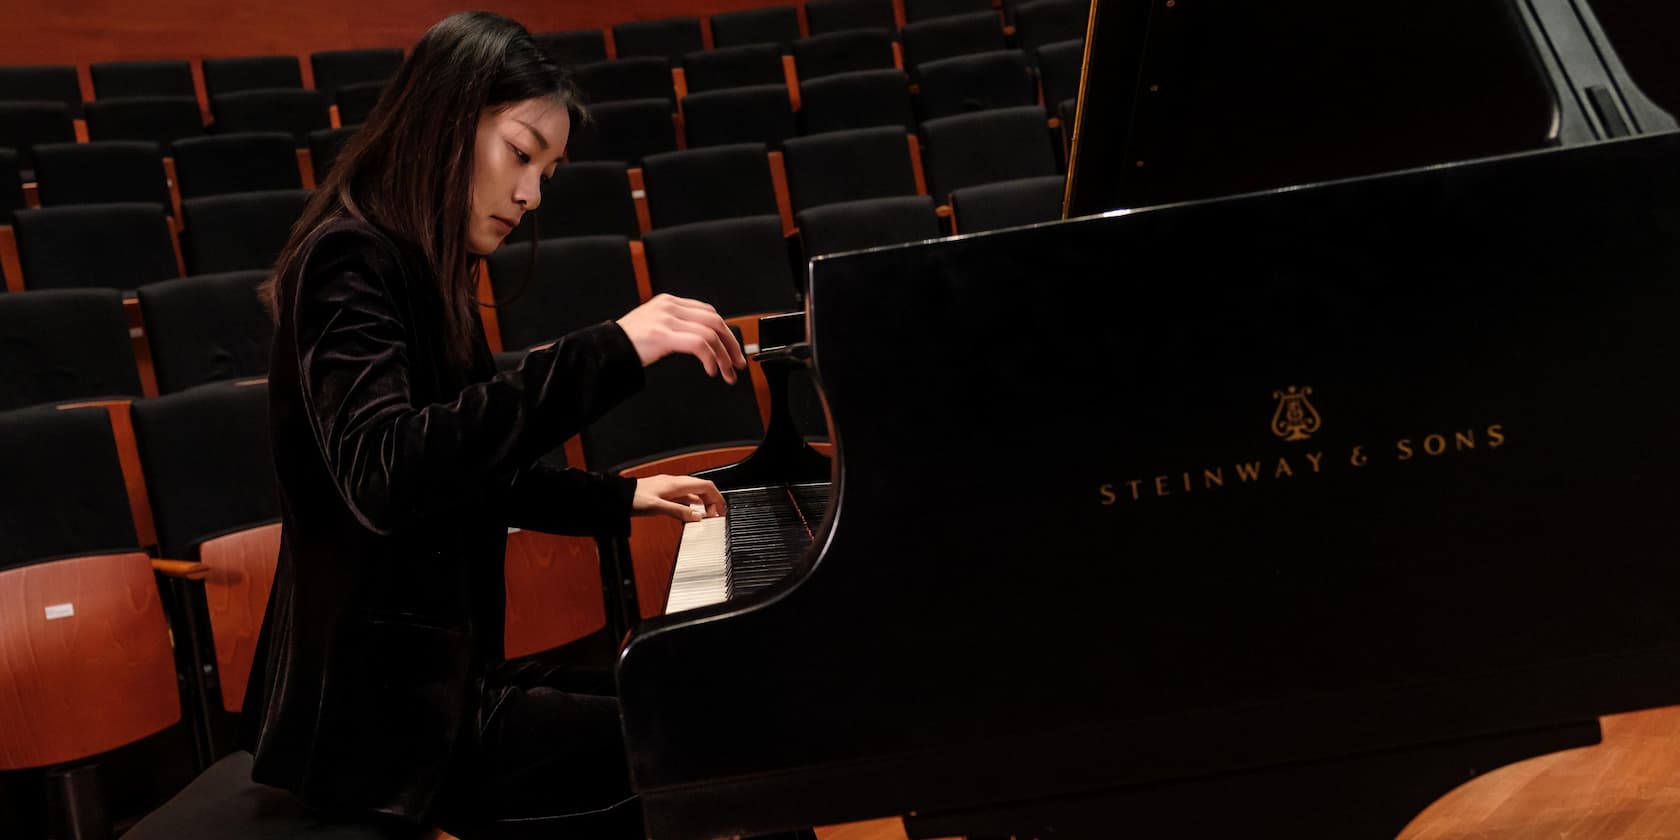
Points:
x=1270, y=514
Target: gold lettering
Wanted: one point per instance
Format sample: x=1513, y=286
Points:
x=1249, y=471
x=1405, y=447
x=1161, y=486
x=1134, y=485
x=1108, y=497
x=1313, y=457
x=1283, y=470
x=1213, y=478
x=1496, y=436
x=1358, y=458
x=1186, y=482
x=1434, y=444
x=1464, y=440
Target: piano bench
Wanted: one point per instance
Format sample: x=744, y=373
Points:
x=223, y=803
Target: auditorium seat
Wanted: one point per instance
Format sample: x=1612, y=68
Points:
x=324, y=146
x=333, y=69
x=11, y=200
x=870, y=223
x=778, y=25
x=624, y=131
x=856, y=100
x=844, y=52
x=25, y=125
x=626, y=79
x=1023, y=201
x=849, y=166
x=680, y=409
x=206, y=328
x=948, y=37
x=920, y=10
x=230, y=163
x=209, y=475
x=157, y=119
x=739, y=266
x=1059, y=67
x=1042, y=22
x=759, y=114
x=356, y=101
x=733, y=67
x=85, y=647
x=579, y=282
x=101, y=173
x=701, y=185
x=584, y=198
x=64, y=345
x=978, y=82
x=238, y=231
x=255, y=72
x=826, y=16
x=141, y=79
x=11, y=186
x=668, y=38
x=985, y=147
x=573, y=47
x=82, y=246
x=296, y=112
x=42, y=83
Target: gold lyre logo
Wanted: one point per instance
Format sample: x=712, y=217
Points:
x=1295, y=417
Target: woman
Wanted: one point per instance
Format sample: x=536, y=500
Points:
x=379, y=685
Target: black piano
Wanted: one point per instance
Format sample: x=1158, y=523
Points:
x=1258, y=512
x=1318, y=503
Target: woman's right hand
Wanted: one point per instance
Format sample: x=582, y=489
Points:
x=669, y=324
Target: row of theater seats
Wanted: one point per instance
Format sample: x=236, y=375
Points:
x=241, y=197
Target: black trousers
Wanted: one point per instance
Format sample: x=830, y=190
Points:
x=550, y=759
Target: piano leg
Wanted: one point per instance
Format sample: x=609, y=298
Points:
x=1370, y=796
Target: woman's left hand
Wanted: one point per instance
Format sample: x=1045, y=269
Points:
x=672, y=495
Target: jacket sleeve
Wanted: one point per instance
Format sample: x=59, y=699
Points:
x=396, y=463
x=570, y=501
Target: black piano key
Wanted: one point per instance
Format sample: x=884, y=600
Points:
x=769, y=527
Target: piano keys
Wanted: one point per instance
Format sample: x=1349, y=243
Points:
x=753, y=546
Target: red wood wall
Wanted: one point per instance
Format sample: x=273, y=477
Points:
x=86, y=31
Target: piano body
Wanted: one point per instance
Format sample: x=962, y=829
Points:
x=1278, y=514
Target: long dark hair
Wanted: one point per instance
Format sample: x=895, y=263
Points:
x=408, y=170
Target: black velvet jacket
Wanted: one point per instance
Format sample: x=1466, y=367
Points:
x=399, y=476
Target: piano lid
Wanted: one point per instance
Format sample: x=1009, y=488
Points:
x=1223, y=484
x=1193, y=99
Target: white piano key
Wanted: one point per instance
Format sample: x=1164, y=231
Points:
x=702, y=566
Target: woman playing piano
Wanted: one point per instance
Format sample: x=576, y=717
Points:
x=379, y=687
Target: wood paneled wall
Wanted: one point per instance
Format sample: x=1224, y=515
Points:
x=86, y=31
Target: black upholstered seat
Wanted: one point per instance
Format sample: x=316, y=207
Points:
x=238, y=231
x=848, y=166
x=206, y=328
x=132, y=79
x=578, y=282
x=777, y=25
x=64, y=346
x=871, y=223
x=701, y=185
x=79, y=246
x=858, y=99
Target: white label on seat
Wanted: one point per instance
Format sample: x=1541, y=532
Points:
x=55, y=611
